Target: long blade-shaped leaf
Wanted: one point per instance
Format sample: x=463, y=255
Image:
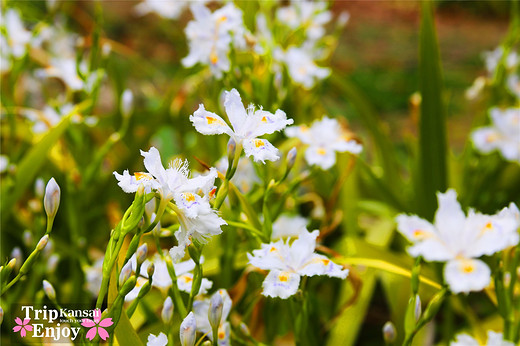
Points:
x=29, y=167
x=432, y=128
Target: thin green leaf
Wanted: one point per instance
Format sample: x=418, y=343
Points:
x=30, y=166
x=432, y=128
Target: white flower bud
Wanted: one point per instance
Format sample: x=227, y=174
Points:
x=52, y=263
x=49, y=290
x=42, y=243
x=126, y=272
x=418, y=308
x=17, y=256
x=231, y=148
x=343, y=18
x=52, y=5
x=150, y=270
x=127, y=103
x=106, y=48
x=12, y=263
x=4, y=163
x=141, y=253
x=149, y=207
x=27, y=238
x=51, y=201
x=167, y=310
x=39, y=187
x=291, y=158
x=216, y=304
x=389, y=332
x=188, y=330
x=244, y=329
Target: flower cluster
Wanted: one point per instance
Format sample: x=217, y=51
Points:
x=211, y=35
x=191, y=197
x=324, y=138
x=459, y=240
x=503, y=134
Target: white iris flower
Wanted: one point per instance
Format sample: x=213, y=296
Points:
x=310, y=15
x=169, y=9
x=248, y=125
x=18, y=37
x=494, y=339
x=503, y=134
x=288, y=262
x=302, y=68
x=459, y=239
x=211, y=35
x=159, y=340
x=325, y=137
x=288, y=226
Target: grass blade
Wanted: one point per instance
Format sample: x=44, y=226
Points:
x=432, y=125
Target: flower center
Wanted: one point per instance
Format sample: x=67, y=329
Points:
x=189, y=197
x=468, y=268
x=259, y=143
x=283, y=277
x=145, y=176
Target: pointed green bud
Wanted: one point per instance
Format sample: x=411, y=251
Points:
x=435, y=304
x=415, y=276
x=128, y=286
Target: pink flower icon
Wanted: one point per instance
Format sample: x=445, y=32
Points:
x=22, y=327
x=96, y=326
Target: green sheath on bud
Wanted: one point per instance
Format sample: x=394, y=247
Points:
x=415, y=276
x=128, y=286
x=409, y=317
x=434, y=304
